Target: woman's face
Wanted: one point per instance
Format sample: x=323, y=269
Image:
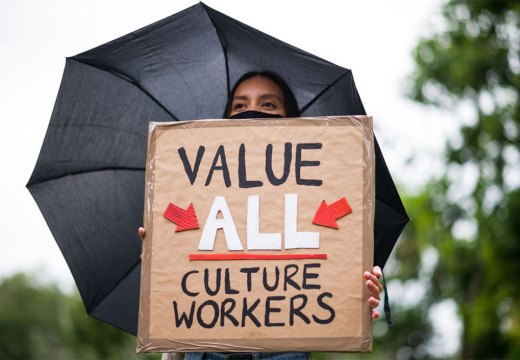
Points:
x=258, y=93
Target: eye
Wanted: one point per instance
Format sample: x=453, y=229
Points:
x=269, y=105
x=239, y=106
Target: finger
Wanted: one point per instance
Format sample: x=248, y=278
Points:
x=374, y=280
x=370, y=276
x=375, y=314
x=373, y=302
x=379, y=285
x=141, y=232
x=377, y=271
x=373, y=289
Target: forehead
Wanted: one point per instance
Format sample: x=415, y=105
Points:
x=258, y=84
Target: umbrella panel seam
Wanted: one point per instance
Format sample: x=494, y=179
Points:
x=309, y=104
x=126, y=78
x=37, y=181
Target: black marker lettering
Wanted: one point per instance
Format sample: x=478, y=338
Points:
x=243, y=183
x=288, y=277
x=248, y=312
x=191, y=171
x=307, y=275
x=298, y=310
x=220, y=154
x=276, y=281
x=183, y=283
x=226, y=313
x=188, y=319
x=217, y=282
x=249, y=271
x=326, y=307
x=301, y=163
x=213, y=321
x=269, y=309
x=227, y=284
x=287, y=158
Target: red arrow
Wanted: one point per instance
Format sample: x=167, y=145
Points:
x=185, y=219
x=328, y=214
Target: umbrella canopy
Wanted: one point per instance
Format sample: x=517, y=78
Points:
x=89, y=178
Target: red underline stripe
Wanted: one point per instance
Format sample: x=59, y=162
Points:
x=221, y=257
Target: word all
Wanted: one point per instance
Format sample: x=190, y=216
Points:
x=255, y=239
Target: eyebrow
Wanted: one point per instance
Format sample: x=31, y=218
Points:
x=271, y=95
x=264, y=96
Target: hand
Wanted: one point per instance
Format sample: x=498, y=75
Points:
x=375, y=287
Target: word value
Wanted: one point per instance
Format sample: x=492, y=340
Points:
x=220, y=164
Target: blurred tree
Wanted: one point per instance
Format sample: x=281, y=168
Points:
x=29, y=321
x=472, y=68
x=40, y=322
x=408, y=277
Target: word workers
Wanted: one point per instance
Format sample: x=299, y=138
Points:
x=260, y=296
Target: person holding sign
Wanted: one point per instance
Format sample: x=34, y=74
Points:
x=266, y=95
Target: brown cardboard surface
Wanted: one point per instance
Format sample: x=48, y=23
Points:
x=306, y=304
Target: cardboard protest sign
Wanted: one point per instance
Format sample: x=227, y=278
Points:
x=257, y=235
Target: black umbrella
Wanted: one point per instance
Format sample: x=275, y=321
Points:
x=89, y=178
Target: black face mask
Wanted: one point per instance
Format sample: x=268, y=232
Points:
x=251, y=114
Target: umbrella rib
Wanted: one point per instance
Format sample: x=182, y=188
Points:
x=303, y=109
x=96, y=305
x=405, y=214
x=128, y=79
x=37, y=181
x=224, y=49
x=98, y=126
x=401, y=210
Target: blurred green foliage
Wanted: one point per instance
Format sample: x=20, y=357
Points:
x=471, y=67
x=41, y=322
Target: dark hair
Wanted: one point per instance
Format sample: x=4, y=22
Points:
x=291, y=106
